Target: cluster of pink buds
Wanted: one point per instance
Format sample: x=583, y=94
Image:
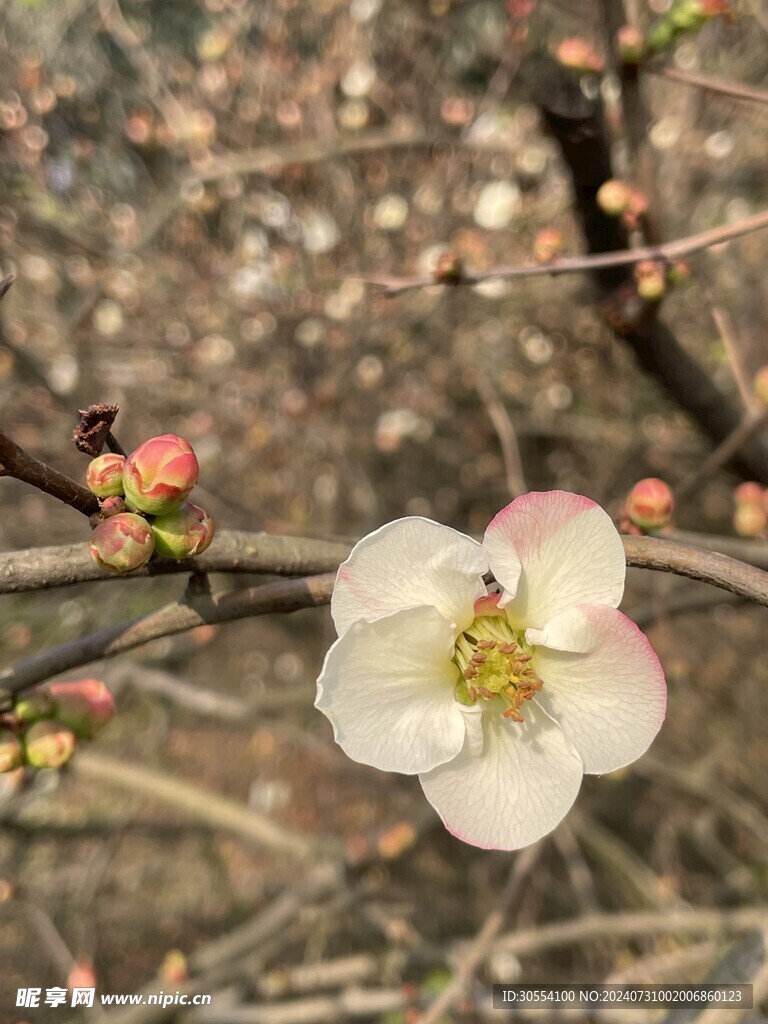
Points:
x=750, y=514
x=649, y=506
x=684, y=16
x=144, y=507
x=45, y=724
x=618, y=199
x=578, y=55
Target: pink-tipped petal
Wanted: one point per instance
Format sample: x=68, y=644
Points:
x=606, y=689
x=388, y=689
x=405, y=564
x=514, y=792
x=569, y=551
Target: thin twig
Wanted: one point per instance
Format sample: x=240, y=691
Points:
x=667, y=252
x=749, y=426
x=730, y=342
x=502, y=424
x=216, y=810
x=177, y=617
x=719, y=85
x=479, y=947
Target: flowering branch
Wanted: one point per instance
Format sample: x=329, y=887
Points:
x=177, y=617
x=667, y=252
x=232, y=551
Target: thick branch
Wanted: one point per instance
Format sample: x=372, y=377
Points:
x=231, y=551
x=707, y=566
x=15, y=462
x=283, y=596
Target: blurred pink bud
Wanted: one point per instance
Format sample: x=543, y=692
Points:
x=577, y=54
x=449, y=268
x=11, y=751
x=614, y=197
x=34, y=704
x=48, y=744
x=187, y=531
x=159, y=475
x=749, y=520
x=122, y=543
x=631, y=44
x=104, y=475
x=83, y=705
x=650, y=279
x=174, y=969
x=547, y=245
x=650, y=503
x=748, y=493
x=679, y=272
x=81, y=975
x=761, y=385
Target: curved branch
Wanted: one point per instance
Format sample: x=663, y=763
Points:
x=187, y=613
x=232, y=551
x=15, y=462
x=707, y=566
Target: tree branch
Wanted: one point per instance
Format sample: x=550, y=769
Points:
x=187, y=613
x=734, y=89
x=15, y=462
x=232, y=551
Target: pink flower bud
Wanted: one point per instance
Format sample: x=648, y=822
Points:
x=83, y=705
x=749, y=520
x=614, y=197
x=679, y=272
x=749, y=493
x=174, y=969
x=650, y=503
x=48, y=744
x=122, y=543
x=104, y=475
x=34, y=704
x=159, y=475
x=111, y=507
x=761, y=385
x=650, y=280
x=81, y=975
x=577, y=54
x=187, y=531
x=631, y=44
x=547, y=245
x=11, y=751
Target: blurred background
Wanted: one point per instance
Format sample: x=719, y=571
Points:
x=191, y=192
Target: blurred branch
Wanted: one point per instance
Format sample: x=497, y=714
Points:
x=232, y=551
x=15, y=462
x=718, y=85
x=215, y=809
x=187, y=613
x=479, y=948
x=502, y=424
x=725, y=451
x=732, y=348
x=667, y=252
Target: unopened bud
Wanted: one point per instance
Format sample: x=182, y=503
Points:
x=577, y=54
x=748, y=493
x=614, y=196
x=186, y=532
x=104, y=475
x=122, y=543
x=11, y=751
x=83, y=705
x=761, y=386
x=650, y=280
x=547, y=245
x=81, y=975
x=650, y=504
x=679, y=272
x=48, y=744
x=749, y=520
x=630, y=43
x=174, y=969
x=159, y=475
x=449, y=268
x=35, y=704
x=660, y=36
x=111, y=507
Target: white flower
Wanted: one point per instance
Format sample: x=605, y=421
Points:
x=499, y=702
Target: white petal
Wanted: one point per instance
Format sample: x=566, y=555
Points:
x=569, y=550
x=517, y=790
x=407, y=563
x=610, y=697
x=388, y=689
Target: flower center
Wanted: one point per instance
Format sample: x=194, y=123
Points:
x=494, y=661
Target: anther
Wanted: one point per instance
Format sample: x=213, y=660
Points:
x=509, y=648
x=486, y=645
x=514, y=714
